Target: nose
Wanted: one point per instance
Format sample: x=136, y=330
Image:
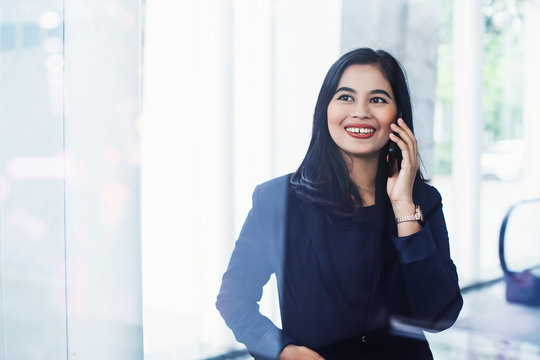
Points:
x=361, y=111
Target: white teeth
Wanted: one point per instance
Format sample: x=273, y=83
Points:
x=360, y=130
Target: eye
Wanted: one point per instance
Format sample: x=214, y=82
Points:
x=345, y=97
x=378, y=100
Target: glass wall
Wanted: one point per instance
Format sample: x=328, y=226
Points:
x=32, y=252
x=88, y=179
x=69, y=167
x=502, y=142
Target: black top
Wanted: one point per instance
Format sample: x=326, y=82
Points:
x=352, y=248
x=288, y=237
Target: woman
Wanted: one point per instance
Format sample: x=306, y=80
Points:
x=355, y=237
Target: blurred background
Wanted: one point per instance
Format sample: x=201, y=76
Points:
x=132, y=133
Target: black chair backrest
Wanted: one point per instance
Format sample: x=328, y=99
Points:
x=521, y=287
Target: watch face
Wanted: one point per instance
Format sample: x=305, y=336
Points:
x=419, y=215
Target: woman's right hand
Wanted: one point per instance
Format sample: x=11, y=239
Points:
x=294, y=352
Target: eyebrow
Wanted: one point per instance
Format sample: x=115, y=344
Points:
x=380, y=91
x=376, y=91
x=344, y=88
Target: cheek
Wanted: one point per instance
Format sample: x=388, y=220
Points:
x=330, y=115
x=335, y=115
x=386, y=128
x=389, y=119
x=333, y=122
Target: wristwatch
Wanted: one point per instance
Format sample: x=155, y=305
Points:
x=417, y=216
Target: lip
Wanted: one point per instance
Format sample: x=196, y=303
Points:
x=360, y=136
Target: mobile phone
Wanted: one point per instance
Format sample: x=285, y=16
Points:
x=394, y=152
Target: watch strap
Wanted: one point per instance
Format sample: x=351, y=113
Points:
x=417, y=216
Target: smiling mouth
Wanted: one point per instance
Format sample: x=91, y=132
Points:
x=362, y=131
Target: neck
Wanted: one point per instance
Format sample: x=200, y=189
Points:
x=363, y=172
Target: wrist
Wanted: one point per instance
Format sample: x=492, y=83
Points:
x=403, y=208
x=418, y=216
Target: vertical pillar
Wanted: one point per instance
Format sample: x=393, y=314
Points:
x=381, y=26
x=420, y=61
x=301, y=57
x=177, y=119
x=216, y=185
x=466, y=136
x=102, y=62
x=188, y=183
x=252, y=99
x=253, y=113
x=531, y=96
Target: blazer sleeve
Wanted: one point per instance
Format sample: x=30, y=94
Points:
x=429, y=274
x=242, y=286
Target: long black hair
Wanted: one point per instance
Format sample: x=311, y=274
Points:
x=323, y=177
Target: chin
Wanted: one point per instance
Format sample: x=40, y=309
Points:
x=364, y=154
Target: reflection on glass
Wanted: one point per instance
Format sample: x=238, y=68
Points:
x=32, y=268
x=69, y=230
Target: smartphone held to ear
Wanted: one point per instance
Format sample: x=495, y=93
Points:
x=394, y=152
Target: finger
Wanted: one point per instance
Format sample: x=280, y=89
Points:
x=409, y=132
x=405, y=151
x=402, y=124
x=401, y=143
x=410, y=140
x=399, y=134
x=407, y=136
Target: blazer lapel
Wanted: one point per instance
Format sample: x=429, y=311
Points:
x=315, y=223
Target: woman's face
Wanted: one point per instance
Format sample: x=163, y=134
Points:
x=361, y=111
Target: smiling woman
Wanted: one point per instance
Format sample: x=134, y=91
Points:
x=346, y=235
x=364, y=107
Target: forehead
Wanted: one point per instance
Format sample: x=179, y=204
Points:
x=364, y=77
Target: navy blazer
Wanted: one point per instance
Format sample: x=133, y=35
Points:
x=283, y=235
